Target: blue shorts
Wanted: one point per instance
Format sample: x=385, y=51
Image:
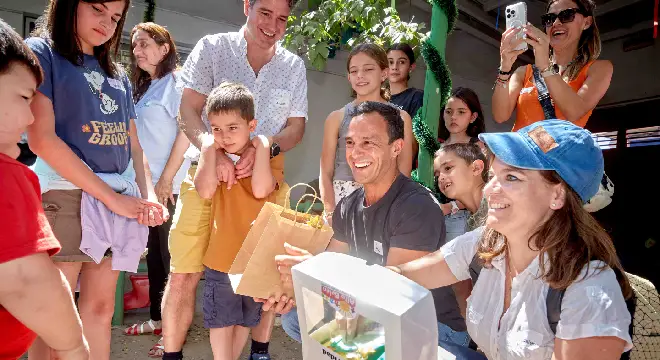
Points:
x=222, y=307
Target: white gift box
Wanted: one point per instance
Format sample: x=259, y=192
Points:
x=349, y=310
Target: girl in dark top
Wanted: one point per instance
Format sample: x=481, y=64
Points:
x=401, y=58
x=84, y=126
x=463, y=121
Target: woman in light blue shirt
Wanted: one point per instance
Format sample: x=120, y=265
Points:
x=157, y=101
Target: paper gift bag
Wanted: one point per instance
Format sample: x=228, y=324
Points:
x=274, y=226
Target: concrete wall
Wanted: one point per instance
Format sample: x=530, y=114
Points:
x=185, y=29
x=13, y=18
x=473, y=64
x=636, y=72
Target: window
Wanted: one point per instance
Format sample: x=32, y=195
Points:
x=648, y=136
x=124, y=55
x=605, y=140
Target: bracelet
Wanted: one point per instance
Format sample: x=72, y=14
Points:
x=328, y=213
x=505, y=72
x=501, y=83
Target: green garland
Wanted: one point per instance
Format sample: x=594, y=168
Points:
x=150, y=11
x=423, y=134
x=439, y=68
x=450, y=9
x=436, y=63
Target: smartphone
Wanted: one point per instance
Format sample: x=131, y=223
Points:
x=516, y=17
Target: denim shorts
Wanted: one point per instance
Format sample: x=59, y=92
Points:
x=456, y=224
x=222, y=307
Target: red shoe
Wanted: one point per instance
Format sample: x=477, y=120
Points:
x=147, y=327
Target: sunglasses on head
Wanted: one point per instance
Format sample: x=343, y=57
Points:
x=565, y=16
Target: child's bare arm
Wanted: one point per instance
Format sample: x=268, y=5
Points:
x=263, y=181
x=38, y=295
x=206, y=177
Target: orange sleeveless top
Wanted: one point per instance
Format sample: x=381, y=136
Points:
x=529, y=108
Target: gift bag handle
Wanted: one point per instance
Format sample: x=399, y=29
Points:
x=287, y=198
x=295, y=210
x=295, y=219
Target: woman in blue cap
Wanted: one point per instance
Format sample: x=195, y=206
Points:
x=538, y=242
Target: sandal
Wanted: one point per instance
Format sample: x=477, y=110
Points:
x=157, y=350
x=140, y=329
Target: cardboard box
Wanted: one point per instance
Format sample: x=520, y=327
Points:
x=349, y=310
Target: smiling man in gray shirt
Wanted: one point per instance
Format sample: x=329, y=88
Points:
x=391, y=220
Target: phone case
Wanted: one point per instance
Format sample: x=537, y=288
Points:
x=516, y=16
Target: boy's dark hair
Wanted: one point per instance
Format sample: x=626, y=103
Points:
x=471, y=99
x=469, y=152
x=292, y=3
x=231, y=97
x=390, y=114
x=14, y=50
x=60, y=29
x=406, y=50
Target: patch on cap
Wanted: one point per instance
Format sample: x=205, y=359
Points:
x=542, y=139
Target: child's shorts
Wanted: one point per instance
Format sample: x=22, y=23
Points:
x=222, y=307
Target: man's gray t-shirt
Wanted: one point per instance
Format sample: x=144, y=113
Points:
x=407, y=217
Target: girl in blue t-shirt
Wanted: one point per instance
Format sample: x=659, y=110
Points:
x=84, y=125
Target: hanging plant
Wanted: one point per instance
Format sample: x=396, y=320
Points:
x=340, y=24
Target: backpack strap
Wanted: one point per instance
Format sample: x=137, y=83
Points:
x=475, y=268
x=543, y=94
x=553, y=302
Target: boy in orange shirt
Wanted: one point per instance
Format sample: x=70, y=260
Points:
x=230, y=110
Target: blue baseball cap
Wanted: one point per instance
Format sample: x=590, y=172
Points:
x=556, y=145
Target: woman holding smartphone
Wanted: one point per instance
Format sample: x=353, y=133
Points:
x=565, y=53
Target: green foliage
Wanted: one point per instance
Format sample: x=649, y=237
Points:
x=149, y=11
x=344, y=23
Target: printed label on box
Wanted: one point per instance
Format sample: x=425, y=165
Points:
x=343, y=303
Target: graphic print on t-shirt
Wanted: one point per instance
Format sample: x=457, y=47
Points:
x=103, y=133
x=106, y=133
x=95, y=80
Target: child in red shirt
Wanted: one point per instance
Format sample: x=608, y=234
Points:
x=34, y=297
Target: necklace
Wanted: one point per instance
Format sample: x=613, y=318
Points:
x=509, y=265
x=556, y=66
x=95, y=81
